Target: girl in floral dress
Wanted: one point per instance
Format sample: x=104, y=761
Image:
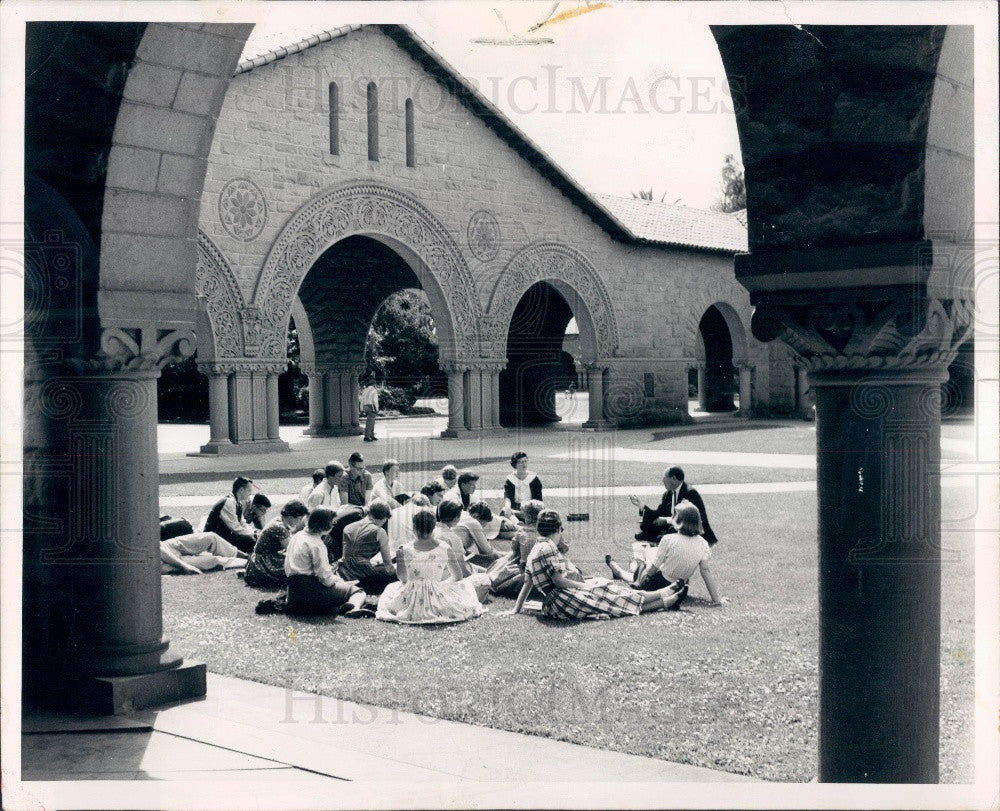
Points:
x=595, y=598
x=430, y=589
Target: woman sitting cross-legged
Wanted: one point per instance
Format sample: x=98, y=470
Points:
x=595, y=598
x=313, y=588
x=430, y=589
x=266, y=567
x=678, y=556
x=363, y=540
x=507, y=574
x=471, y=530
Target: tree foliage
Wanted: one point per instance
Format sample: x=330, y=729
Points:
x=733, y=189
x=402, y=345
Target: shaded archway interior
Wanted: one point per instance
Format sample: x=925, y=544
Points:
x=537, y=366
x=718, y=389
x=344, y=289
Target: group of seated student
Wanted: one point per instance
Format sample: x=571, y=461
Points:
x=361, y=549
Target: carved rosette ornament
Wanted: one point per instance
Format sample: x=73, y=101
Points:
x=561, y=264
x=483, y=235
x=363, y=208
x=899, y=335
x=242, y=209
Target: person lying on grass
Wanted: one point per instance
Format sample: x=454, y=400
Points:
x=313, y=588
x=678, y=557
x=199, y=552
x=595, y=598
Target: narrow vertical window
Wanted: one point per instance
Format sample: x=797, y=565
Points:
x=372, y=122
x=334, y=119
x=411, y=155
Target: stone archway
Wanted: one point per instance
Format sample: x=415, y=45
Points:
x=720, y=345
x=390, y=216
x=569, y=274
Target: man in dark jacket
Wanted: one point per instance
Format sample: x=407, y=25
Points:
x=654, y=524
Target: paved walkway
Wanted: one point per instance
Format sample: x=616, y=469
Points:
x=268, y=743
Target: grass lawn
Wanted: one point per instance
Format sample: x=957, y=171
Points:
x=736, y=686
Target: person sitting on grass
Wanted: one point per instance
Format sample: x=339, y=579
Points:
x=226, y=518
x=256, y=514
x=327, y=492
x=654, y=524
x=470, y=529
x=430, y=588
x=313, y=588
x=595, y=598
x=678, y=556
x=448, y=477
x=464, y=491
x=389, y=488
x=199, y=552
x=400, y=526
x=520, y=487
x=448, y=515
x=362, y=541
x=317, y=479
x=507, y=574
x=266, y=567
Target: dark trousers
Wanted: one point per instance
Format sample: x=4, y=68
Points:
x=306, y=595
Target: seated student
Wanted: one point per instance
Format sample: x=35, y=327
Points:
x=448, y=515
x=678, y=556
x=362, y=541
x=595, y=598
x=266, y=567
x=356, y=486
x=520, y=486
x=430, y=588
x=198, y=552
x=226, y=516
x=508, y=572
x=656, y=523
x=448, y=477
x=317, y=478
x=400, y=526
x=389, y=488
x=346, y=515
x=464, y=491
x=327, y=492
x=470, y=529
x=256, y=514
x=313, y=588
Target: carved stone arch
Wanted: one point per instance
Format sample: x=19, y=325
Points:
x=718, y=296
x=374, y=210
x=572, y=274
x=220, y=306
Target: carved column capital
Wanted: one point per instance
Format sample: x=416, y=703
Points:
x=143, y=350
x=891, y=335
x=455, y=367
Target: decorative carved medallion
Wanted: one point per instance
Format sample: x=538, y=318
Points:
x=484, y=236
x=242, y=209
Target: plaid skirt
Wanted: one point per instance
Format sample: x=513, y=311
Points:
x=604, y=600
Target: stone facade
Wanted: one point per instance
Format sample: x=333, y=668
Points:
x=476, y=222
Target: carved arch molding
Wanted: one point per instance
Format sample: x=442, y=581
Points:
x=550, y=261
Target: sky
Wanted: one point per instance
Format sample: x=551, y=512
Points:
x=623, y=97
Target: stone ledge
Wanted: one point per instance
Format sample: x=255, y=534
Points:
x=117, y=695
x=228, y=448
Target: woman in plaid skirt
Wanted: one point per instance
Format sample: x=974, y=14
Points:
x=595, y=598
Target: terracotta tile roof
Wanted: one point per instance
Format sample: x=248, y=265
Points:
x=667, y=224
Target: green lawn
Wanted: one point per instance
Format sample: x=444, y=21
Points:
x=732, y=688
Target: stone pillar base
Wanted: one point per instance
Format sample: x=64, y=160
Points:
x=462, y=433
x=597, y=425
x=117, y=695
x=347, y=430
x=242, y=448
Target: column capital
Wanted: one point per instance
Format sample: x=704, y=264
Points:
x=455, y=367
x=851, y=337
x=143, y=351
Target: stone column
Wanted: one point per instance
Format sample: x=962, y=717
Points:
x=456, y=400
x=595, y=390
x=491, y=396
x=218, y=405
x=258, y=384
x=333, y=414
x=474, y=399
x=878, y=468
x=241, y=406
x=273, y=406
x=100, y=645
x=746, y=390
x=702, y=397
x=317, y=398
x=354, y=395
x=802, y=405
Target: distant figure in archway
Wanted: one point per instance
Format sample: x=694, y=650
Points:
x=369, y=408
